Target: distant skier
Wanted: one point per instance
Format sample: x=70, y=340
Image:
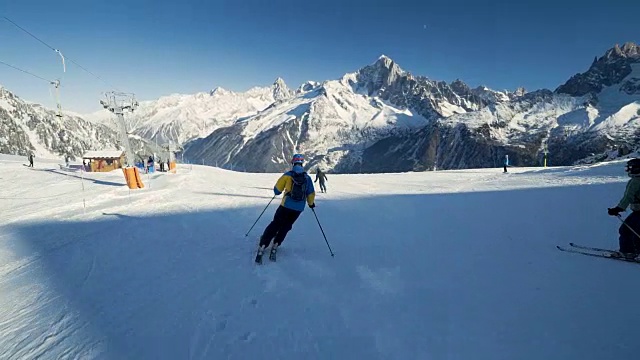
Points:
x=30, y=160
x=320, y=175
x=298, y=189
x=506, y=162
x=629, y=242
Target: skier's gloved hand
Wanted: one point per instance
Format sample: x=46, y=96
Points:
x=312, y=205
x=615, y=211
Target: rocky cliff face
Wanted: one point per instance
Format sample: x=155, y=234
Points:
x=608, y=70
x=30, y=128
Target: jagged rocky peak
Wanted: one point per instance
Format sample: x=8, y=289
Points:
x=608, y=70
x=385, y=61
x=520, y=92
x=218, y=91
x=280, y=90
x=628, y=50
x=5, y=93
x=386, y=64
x=308, y=86
x=460, y=87
x=379, y=75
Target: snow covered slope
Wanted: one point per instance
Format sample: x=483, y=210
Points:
x=179, y=118
x=435, y=265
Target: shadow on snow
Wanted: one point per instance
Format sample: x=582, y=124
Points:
x=415, y=276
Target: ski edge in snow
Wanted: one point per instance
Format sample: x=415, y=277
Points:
x=602, y=254
x=589, y=247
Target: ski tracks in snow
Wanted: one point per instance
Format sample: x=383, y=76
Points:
x=19, y=339
x=254, y=302
x=222, y=320
x=89, y=272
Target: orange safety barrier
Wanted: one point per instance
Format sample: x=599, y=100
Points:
x=138, y=178
x=172, y=167
x=132, y=176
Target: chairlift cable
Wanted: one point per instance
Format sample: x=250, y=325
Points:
x=62, y=57
x=26, y=72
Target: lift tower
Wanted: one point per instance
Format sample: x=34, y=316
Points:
x=118, y=103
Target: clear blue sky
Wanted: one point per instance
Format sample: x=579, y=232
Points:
x=156, y=48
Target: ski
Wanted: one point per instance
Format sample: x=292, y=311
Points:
x=602, y=254
x=589, y=247
x=272, y=254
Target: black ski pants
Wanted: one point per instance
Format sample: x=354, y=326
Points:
x=278, y=228
x=629, y=242
x=323, y=187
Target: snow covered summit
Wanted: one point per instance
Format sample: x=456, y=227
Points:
x=183, y=117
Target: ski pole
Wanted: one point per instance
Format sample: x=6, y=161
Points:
x=325, y=236
x=630, y=228
x=265, y=209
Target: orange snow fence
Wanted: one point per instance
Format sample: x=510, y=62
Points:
x=132, y=175
x=172, y=167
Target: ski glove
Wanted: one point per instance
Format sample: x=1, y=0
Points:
x=312, y=205
x=615, y=211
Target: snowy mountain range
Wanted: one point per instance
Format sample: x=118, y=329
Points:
x=336, y=121
x=377, y=119
x=382, y=118
x=180, y=118
x=30, y=128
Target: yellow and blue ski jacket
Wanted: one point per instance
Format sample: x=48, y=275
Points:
x=285, y=183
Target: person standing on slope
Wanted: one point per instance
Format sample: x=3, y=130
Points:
x=298, y=189
x=629, y=242
x=506, y=162
x=320, y=175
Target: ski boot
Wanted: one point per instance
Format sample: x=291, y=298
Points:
x=259, y=255
x=626, y=256
x=272, y=253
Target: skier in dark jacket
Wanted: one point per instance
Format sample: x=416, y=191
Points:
x=629, y=242
x=298, y=189
x=320, y=175
x=149, y=163
x=30, y=160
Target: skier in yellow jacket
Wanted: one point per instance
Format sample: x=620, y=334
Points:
x=298, y=190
